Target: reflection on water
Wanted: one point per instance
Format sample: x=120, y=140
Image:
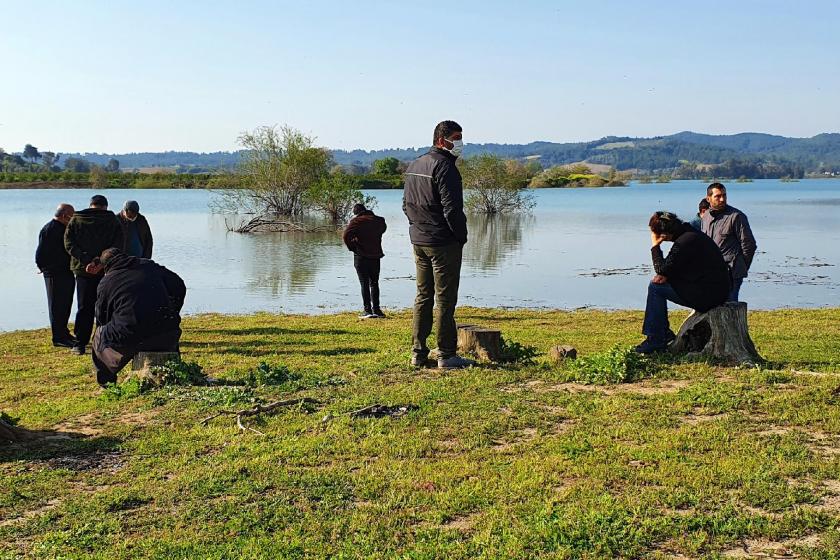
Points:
x=581, y=247
x=289, y=263
x=494, y=238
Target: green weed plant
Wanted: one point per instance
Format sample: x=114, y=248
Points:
x=619, y=364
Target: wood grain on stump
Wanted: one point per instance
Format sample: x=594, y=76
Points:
x=720, y=334
x=559, y=354
x=485, y=344
x=143, y=363
x=9, y=433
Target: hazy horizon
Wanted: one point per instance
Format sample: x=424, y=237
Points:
x=104, y=77
x=235, y=149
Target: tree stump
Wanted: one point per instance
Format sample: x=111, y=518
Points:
x=485, y=344
x=143, y=363
x=720, y=334
x=560, y=354
x=10, y=433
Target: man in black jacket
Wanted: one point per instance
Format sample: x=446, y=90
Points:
x=363, y=236
x=433, y=201
x=89, y=232
x=693, y=275
x=137, y=235
x=54, y=263
x=138, y=307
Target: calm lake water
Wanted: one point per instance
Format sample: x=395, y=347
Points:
x=578, y=248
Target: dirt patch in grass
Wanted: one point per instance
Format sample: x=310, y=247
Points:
x=763, y=548
x=31, y=514
x=654, y=387
x=101, y=461
x=694, y=419
x=462, y=523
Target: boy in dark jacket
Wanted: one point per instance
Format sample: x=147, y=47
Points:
x=363, y=236
x=693, y=275
x=89, y=232
x=138, y=307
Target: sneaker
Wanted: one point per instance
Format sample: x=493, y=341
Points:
x=454, y=362
x=367, y=315
x=419, y=361
x=670, y=337
x=78, y=350
x=65, y=343
x=378, y=313
x=651, y=345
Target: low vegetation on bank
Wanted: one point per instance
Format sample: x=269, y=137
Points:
x=528, y=459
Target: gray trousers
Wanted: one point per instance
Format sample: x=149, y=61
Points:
x=438, y=277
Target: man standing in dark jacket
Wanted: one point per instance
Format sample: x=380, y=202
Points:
x=138, y=307
x=433, y=201
x=363, y=236
x=89, y=232
x=693, y=275
x=137, y=235
x=730, y=229
x=54, y=263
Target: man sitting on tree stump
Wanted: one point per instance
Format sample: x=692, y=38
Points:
x=138, y=308
x=693, y=275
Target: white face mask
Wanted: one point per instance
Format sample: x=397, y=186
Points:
x=457, y=147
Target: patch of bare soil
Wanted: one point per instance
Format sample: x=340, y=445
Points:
x=655, y=388
x=101, y=461
x=763, y=548
x=516, y=437
x=463, y=523
x=693, y=419
x=30, y=514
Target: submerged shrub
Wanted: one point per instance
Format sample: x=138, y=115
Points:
x=616, y=365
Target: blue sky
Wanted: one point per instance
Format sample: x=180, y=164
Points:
x=123, y=76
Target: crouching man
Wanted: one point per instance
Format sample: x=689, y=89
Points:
x=693, y=275
x=138, y=305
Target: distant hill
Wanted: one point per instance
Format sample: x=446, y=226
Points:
x=656, y=154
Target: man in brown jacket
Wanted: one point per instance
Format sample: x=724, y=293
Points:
x=363, y=236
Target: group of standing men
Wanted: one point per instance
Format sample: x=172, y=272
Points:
x=107, y=259
x=68, y=246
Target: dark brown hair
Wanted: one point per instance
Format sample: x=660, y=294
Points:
x=666, y=223
x=444, y=129
x=714, y=186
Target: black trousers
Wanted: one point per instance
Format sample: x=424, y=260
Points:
x=60, y=302
x=368, y=271
x=85, y=307
x=107, y=361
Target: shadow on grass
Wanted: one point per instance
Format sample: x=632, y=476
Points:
x=60, y=449
x=270, y=331
x=212, y=346
x=337, y=351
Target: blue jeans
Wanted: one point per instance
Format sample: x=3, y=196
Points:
x=656, y=310
x=736, y=288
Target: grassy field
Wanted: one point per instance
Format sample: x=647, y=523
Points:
x=515, y=461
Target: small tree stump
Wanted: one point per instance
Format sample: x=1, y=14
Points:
x=559, y=354
x=720, y=334
x=9, y=433
x=143, y=363
x=485, y=344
